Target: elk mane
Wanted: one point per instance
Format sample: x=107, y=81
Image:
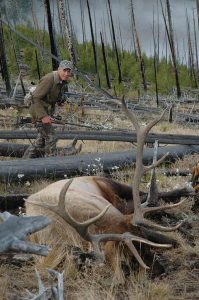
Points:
x=118, y=194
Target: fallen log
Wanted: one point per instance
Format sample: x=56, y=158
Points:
x=18, y=150
x=123, y=136
x=70, y=166
x=12, y=149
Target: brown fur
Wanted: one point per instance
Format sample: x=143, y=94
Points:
x=195, y=176
x=118, y=194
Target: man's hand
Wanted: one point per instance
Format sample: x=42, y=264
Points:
x=47, y=120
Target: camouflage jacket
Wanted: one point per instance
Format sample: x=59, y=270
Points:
x=48, y=92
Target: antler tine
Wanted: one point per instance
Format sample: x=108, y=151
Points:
x=139, y=220
x=127, y=238
x=82, y=227
x=134, y=251
x=154, y=165
x=163, y=207
x=60, y=208
x=148, y=224
x=129, y=114
x=154, y=122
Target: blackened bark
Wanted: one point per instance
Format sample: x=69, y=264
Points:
x=53, y=47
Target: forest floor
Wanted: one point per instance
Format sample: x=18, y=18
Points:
x=180, y=266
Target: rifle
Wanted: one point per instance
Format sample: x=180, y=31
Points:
x=58, y=121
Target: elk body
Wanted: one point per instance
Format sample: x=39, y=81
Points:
x=83, y=199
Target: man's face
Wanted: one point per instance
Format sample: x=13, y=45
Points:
x=64, y=74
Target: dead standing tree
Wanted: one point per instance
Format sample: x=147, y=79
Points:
x=115, y=44
x=53, y=46
x=137, y=46
x=93, y=44
x=196, y=48
x=197, y=5
x=83, y=23
x=3, y=61
x=155, y=60
x=170, y=35
x=68, y=43
x=105, y=62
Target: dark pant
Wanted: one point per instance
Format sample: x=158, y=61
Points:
x=45, y=143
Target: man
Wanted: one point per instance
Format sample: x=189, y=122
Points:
x=48, y=92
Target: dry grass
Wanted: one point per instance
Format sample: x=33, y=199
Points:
x=102, y=282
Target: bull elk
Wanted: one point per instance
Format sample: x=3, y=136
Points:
x=102, y=210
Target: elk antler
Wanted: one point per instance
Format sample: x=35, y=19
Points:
x=139, y=211
x=96, y=239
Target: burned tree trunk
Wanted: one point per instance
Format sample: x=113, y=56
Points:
x=53, y=46
x=68, y=43
x=37, y=63
x=3, y=61
x=122, y=136
x=93, y=44
x=105, y=62
x=115, y=44
x=191, y=56
x=138, y=48
x=196, y=49
x=197, y=5
x=155, y=63
x=64, y=167
x=83, y=23
x=170, y=36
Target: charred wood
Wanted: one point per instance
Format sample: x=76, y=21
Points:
x=18, y=150
x=105, y=62
x=93, y=44
x=3, y=61
x=124, y=136
x=12, y=201
x=65, y=167
x=115, y=44
x=14, y=230
x=52, y=40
